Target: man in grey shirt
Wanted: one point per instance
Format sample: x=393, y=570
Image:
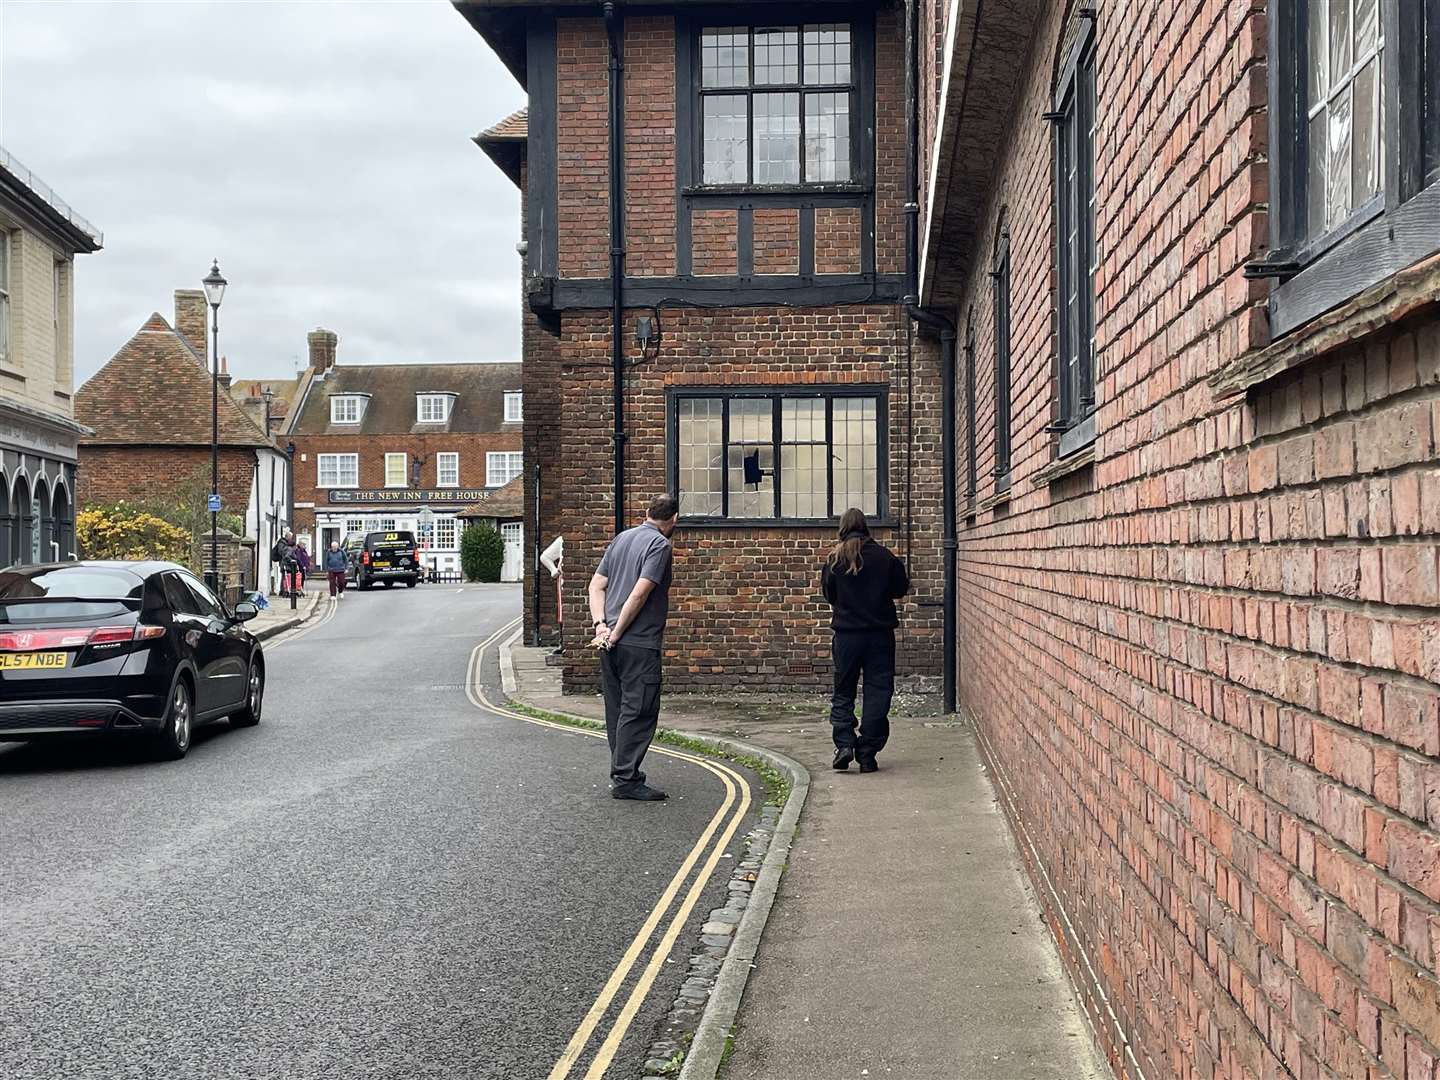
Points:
x=629, y=600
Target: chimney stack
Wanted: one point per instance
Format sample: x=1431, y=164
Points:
x=225, y=372
x=322, y=349
x=190, y=318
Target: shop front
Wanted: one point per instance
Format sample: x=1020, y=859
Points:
x=353, y=512
x=37, y=485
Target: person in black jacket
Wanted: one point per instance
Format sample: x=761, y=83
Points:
x=862, y=581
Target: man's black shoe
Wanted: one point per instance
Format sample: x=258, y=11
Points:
x=843, y=756
x=638, y=792
x=869, y=765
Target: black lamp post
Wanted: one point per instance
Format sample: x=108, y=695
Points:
x=214, y=293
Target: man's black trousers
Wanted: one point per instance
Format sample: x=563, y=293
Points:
x=871, y=653
x=631, y=678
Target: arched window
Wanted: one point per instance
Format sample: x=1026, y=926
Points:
x=21, y=523
x=7, y=544
x=63, y=515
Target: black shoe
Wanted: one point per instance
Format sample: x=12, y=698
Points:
x=868, y=765
x=843, y=756
x=638, y=792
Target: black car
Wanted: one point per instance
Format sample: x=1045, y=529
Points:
x=139, y=649
x=388, y=557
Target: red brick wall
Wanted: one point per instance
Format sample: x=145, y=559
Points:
x=649, y=146
x=837, y=240
x=713, y=235
x=372, y=449
x=776, y=246
x=108, y=474
x=745, y=602
x=890, y=196
x=1205, y=667
x=583, y=147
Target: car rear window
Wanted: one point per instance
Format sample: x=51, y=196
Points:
x=70, y=592
x=390, y=541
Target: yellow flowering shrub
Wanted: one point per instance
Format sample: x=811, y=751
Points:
x=126, y=532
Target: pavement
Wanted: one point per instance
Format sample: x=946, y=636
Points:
x=384, y=878
x=906, y=940
x=278, y=617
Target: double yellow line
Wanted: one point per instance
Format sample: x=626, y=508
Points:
x=715, y=839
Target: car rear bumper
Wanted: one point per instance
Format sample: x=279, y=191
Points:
x=391, y=572
x=26, y=720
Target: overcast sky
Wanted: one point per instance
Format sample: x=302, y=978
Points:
x=321, y=150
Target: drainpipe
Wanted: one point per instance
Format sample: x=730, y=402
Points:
x=614, y=29
x=937, y=322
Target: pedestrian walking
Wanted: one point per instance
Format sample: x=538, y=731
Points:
x=862, y=580
x=335, y=570
x=288, y=564
x=629, y=603
x=279, y=557
x=302, y=565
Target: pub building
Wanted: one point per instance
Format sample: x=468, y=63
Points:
x=386, y=447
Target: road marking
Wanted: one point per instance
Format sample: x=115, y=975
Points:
x=733, y=782
x=300, y=631
x=507, y=664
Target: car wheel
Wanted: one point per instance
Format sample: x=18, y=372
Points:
x=412, y=583
x=173, y=739
x=389, y=584
x=249, y=716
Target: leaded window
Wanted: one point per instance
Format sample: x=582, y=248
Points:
x=796, y=455
x=1074, y=119
x=971, y=442
x=1000, y=287
x=777, y=104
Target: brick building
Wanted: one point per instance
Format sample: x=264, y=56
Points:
x=40, y=235
x=377, y=444
x=756, y=344
x=1199, y=407
x=149, y=414
x=1195, y=351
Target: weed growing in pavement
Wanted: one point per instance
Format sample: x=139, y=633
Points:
x=777, y=784
x=673, y=1065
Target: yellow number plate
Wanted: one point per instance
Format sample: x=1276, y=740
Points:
x=34, y=660
x=381, y=563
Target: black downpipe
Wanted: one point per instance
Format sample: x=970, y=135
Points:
x=946, y=328
x=535, y=549
x=614, y=29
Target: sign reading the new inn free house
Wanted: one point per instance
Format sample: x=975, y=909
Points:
x=465, y=496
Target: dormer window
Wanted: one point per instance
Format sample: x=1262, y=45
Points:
x=433, y=408
x=514, y=409
x=346, y=408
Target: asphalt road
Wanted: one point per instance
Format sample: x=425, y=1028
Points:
x=380, y=880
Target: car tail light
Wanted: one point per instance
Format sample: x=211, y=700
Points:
x=117, y=635
x=365, y=558
x=39, y=640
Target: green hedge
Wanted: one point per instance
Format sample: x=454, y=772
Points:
x=482, y=553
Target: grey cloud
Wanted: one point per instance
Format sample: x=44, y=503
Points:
x=321, y=150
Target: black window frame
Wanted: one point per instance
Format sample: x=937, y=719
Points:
x=1393, y=230
x=861, y=89
x=1073, y=118
x=1000, y=299
x=830, y=393
x=972, y=473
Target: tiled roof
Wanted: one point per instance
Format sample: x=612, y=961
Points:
x=506, y=142
x=504, y=502
x=514, y=126
x=156, y=391
x=479, y=403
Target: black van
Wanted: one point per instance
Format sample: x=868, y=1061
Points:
x=388, y=557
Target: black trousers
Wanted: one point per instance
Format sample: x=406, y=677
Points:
x=870, y=653
x=631, y=680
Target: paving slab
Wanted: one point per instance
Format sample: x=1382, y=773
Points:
x=906, y=940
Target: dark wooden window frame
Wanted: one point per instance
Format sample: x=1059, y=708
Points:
x=751, y=89
x=800, y=390
x=1391, y=231
x=1000, y=291
x=1072, y=115
x=972, y=474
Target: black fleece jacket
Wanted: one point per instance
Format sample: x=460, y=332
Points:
x=866, y=600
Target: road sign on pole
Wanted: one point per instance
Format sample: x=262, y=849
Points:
x=214, y=504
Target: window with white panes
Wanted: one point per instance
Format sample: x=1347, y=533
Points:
x=447, y=470
x=432, y=408
x=802, y=456
x=338, y=470
x=354, y=526
x=501, y=468
x=395, y=470
x=445, y=534
x=514, y=407
x=5, y=296
x=345, y=409
x=388, y=525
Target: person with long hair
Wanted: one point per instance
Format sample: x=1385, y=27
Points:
x=862, y=580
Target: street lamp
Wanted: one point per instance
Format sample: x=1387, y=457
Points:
x=214, y=293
